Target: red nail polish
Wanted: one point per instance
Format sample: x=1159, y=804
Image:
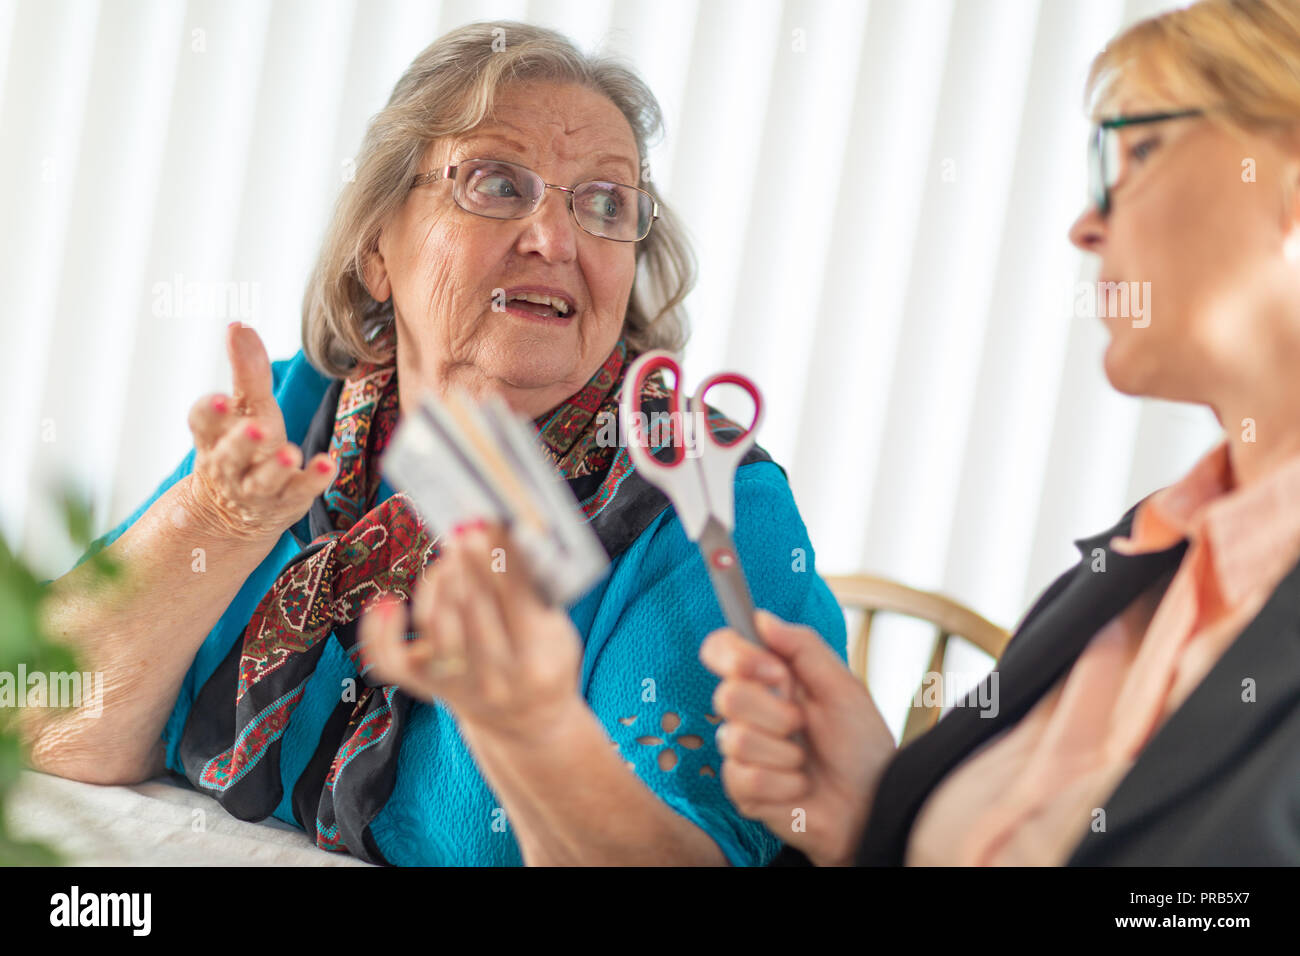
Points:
x=389, y=606
x=473, y=524
x=284, y=457
x=323, y=466
x=254, y=432
x=219, y=405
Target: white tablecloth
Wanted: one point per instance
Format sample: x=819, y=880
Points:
x=163, y=822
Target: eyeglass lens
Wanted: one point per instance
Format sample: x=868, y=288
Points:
x=502, y=190
x=1104, y=164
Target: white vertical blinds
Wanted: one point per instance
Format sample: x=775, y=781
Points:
x=878, y=193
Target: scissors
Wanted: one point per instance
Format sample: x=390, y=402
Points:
x=700, y=485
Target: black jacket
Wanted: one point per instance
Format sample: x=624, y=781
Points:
x=1217, y=784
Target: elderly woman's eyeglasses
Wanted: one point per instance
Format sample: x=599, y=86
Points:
x=500, y=190
x=1104, y=158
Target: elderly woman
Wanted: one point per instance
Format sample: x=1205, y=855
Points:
x=1150, y=699
x=491, y=241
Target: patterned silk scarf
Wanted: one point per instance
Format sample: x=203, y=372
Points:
x=230, y=747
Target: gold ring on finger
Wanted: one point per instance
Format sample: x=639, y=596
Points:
x=449, y=665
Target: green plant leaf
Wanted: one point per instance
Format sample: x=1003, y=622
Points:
x=22, y=641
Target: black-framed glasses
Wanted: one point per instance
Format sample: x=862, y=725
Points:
x=500, y=190
x=1104, y=158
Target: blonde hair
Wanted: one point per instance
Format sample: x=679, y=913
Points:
x=449, y=89
x=1239, y=59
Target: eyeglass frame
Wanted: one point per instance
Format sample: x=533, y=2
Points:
x=1096, y=156
x=448, y=173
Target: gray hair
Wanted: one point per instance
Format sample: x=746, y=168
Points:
x=448, y=90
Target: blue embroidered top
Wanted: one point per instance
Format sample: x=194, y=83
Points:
x=642, y=626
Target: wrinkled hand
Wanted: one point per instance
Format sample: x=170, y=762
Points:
x=502, y=660
x=831, y=771
x=246, y=481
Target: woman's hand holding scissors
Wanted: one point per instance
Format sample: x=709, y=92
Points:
x=802, y=733
x=819, y=745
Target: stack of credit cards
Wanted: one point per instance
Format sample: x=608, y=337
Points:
x=459, y=460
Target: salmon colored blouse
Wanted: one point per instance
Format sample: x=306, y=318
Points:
x=1028, y=795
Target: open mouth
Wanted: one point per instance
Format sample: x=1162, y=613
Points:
x=540, y=304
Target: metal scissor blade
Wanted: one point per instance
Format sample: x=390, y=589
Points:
x=729, y=584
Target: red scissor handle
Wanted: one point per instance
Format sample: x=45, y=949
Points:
x=657, y=363
x=741, y=381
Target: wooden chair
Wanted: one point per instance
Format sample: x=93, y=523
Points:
x=874, y=595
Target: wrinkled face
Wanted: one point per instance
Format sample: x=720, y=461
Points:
x=446, y=268
x=1186, y=219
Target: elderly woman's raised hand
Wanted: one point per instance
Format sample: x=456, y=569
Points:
x=247, y=480
x=814, y=792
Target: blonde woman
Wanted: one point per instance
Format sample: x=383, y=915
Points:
x=491, y=241
x=1149, y=708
